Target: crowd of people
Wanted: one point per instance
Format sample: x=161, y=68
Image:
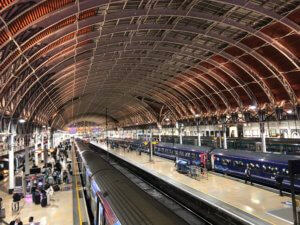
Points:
x=55, y=173
x=18, y=221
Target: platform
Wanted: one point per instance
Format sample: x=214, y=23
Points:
x=253, y=200
x=58, y=212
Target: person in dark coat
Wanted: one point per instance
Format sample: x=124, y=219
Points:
x=279, y=180
x=248, y=174
x=16, y=202
x=17, y=221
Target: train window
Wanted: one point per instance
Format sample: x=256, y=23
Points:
x=193, y=155
x=187, y=154
x=226, y=162
x=238, y=163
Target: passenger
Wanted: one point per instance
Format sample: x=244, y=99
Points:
x=279, y=180
x=16, y=222
x=31, y=220
x=16, y=202
x=50, y=192
x=65, y=177
x=248, y=174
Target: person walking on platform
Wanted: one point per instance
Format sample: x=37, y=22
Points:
x=248, y=175
x=17, y=221
x=31, y=220
x=279, y=180
x=16, y=202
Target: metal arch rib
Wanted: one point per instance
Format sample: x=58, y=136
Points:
x=286, y=86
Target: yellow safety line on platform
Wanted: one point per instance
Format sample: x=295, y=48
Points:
x=77, y=190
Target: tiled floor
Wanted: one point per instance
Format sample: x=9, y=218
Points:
x=251, y=199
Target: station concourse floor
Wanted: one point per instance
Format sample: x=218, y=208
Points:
x=253, y=200
x=59, y=212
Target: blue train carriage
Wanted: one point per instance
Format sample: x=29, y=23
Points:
x=140, y=145
x=190, y=153
x=264, y=166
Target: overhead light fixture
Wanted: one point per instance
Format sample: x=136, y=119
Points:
x=197, y=115
x=44, y=126
x=289, y=111
x=252, y=107
x=22, y=121
x=167, y=119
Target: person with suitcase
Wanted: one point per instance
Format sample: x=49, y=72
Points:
x=16, y=202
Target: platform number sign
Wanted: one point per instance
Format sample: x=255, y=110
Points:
x=294, y=169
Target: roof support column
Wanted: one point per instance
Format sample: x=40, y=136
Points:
x=262, y=117
x=27, y=149
x=36, y=154
x=11, y=165
x=224, y=136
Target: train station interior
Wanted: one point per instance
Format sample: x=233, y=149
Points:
x=150, y=112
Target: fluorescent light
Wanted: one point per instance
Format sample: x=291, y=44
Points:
x=44, y=126
x=22, y=121
x=252, y=107
x=289, y=111
x=197, y=115
x=167, y=119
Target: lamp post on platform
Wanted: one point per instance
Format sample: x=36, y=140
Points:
x=106, y=131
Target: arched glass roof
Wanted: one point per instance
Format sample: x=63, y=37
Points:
x=64, y=59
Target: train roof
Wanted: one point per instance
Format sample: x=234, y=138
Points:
x=185, y=147
x=130, y=204
x=261, y=156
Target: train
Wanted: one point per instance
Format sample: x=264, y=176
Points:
x=113, y=199
x=264, y=166
x=289, y=146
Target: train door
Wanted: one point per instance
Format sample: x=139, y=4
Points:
x=100, y=216
x=212, y=161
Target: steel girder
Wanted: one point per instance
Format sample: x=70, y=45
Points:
x=283, y=50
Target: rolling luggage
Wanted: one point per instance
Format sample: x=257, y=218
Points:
x=56, y=188
x=44, y=201
x=37, y=198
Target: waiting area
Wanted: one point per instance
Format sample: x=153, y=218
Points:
x=39, y=198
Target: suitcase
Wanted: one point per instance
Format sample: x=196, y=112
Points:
x=44, y=202
x=37, y=198
x=56, y=188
